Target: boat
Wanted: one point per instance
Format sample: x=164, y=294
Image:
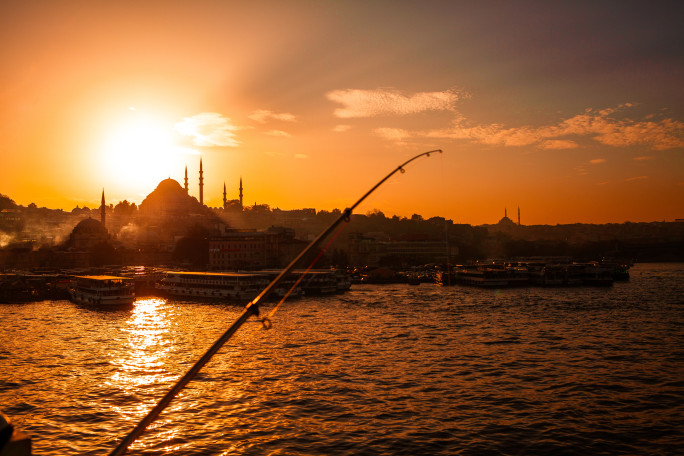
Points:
x=312, y=282
x=102, y=290
x=317, y=282
x=552, y=274
x=448, y=276
x=559, y=274
x=517, y=274
x=574, y=274
x=413, y=279
x=596, y=274
x=144, y=278
x=483, y=275
x=619, y=267
x=246, y=285
x=343, y=281
x=233, y=286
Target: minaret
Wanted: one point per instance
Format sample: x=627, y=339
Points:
x=518, y=215
x=225, y=201
x=240, y=192
x=186, y=179
x=102, y=210
x=201, y=182
x=505, y=212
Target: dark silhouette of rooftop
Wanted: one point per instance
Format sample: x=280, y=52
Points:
x=170, y=199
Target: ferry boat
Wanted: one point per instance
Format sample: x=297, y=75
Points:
x=315, y=281
x=553, y=274
x=619, y=267
x=488, y=276
x=343, y=280
x=594, y=273
x=234, y=286
x=144, y=278
x=102, y=290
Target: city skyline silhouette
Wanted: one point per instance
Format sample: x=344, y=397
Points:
x=565, y=111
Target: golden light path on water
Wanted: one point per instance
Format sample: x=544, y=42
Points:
x=148, y=363
x=144, y=362
x=382, y=369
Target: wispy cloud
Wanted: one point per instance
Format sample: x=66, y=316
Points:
x=209, y=129
x=341, y=128
x=636, y=178
x=558, y=144
x=301, y=156
x=643, y=158
x=597, y=161
x=393, y=134
x=603, y=126
x=370, y=103
x=279, y=133
x=264, y=115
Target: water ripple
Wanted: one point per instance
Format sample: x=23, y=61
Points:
x=380, y=370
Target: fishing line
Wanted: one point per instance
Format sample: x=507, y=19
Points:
x=266, y=321
x=252, y=308
x=446, y=228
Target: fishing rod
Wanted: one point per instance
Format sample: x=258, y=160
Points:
x=252, y=308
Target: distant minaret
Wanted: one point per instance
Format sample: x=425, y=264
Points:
x=186, y=179
x=201, y=182
x=102, y=209
x=240, y=192
x=225, y=201
x=518, y=215
x=505, y=212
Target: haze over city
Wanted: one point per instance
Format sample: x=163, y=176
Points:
x=571, y=111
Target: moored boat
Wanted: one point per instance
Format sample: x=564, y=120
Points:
x=102, y=290
x=488, y=276
x=315, y=281
x=596, y=274
x=448, y=276
x=233, y=286
x=619, y=268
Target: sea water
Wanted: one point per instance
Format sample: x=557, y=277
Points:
x=379, y=370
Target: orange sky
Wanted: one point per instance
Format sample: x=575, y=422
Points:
x=571, y=111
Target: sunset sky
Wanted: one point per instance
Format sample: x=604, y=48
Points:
x=573, y=111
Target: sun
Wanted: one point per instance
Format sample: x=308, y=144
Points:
x=140, y=150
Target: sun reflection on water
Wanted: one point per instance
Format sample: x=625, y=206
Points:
x=147, y=347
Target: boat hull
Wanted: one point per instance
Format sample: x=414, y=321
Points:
x=91, y=299
x=102, y=291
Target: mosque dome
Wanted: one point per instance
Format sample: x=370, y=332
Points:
x=169, y=211
x=169, y=199
x=87, y=233
x=505, y=220
x=89, y=225
x=169, y=186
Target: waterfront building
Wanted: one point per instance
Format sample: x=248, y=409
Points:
x=372, y=249
x=11, y=220
x=252, y=249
